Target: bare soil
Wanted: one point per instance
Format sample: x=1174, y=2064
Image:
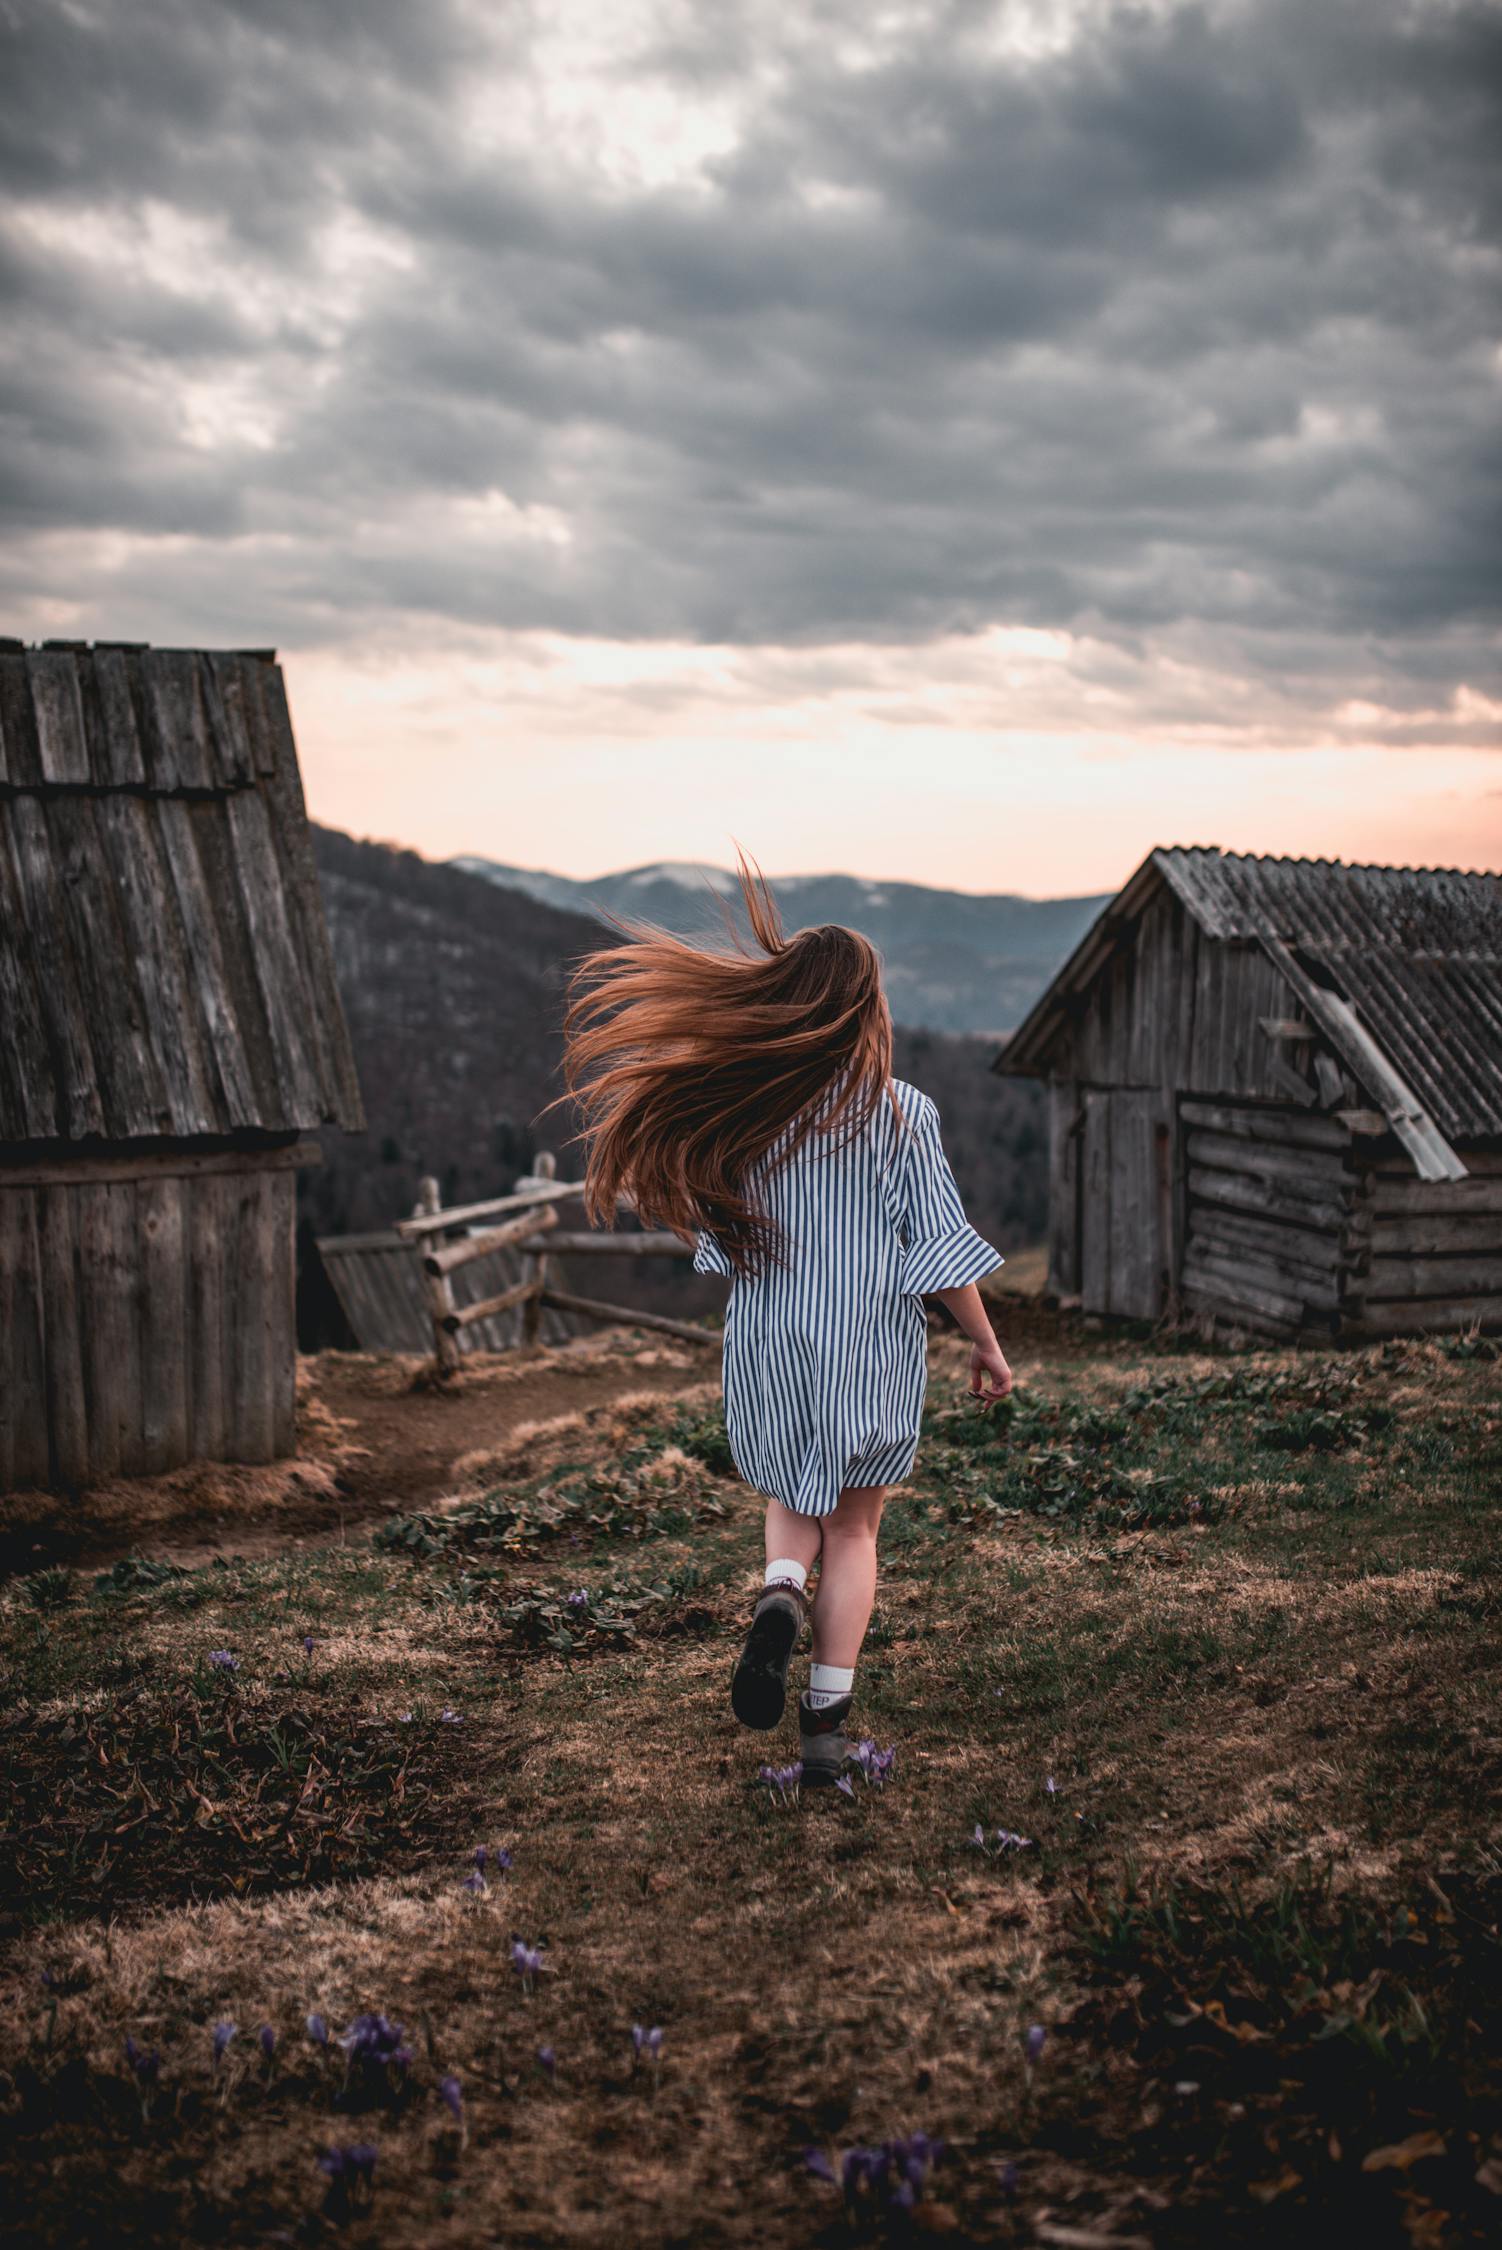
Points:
x=375, y=1434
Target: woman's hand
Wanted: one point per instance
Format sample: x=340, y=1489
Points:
x=988, y=1367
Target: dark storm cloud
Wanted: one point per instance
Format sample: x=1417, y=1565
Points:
x=946, y=339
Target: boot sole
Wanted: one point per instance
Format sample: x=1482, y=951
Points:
x=758, y=1686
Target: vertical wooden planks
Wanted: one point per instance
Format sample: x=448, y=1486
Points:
x=249, y=1338
x=105, y=965
x=164, y=1323
x=109, y=1269
x=24, y=1452
x=219, y=999
x=62, y=1315
x=45, y=921
x=55, y=700
x=130, y=840
x=210, y=1279
x=110, y=716
x=27, y=1084
x=1095, y=1201
x=273, y=956
x=281, y=1196
x=1063, y=1188
x=1132, y=1284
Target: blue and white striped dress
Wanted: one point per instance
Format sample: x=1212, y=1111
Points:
x=826, y=1360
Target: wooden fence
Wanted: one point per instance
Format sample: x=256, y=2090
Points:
x=428, y=1267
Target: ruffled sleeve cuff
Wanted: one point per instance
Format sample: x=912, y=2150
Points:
x=710, y=1258
x=946, y=1261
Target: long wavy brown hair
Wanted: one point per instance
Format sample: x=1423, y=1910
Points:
x=689, y=1061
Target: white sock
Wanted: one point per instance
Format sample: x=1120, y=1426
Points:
x=828, y=1683
x=797, y=1571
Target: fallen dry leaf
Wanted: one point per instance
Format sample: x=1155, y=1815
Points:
x=1401, y=2154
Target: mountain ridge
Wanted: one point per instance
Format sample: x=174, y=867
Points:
x=957, y=961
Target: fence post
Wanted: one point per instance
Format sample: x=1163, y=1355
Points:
x=545, y=1167
x=440, y=1290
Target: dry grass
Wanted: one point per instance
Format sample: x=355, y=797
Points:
x=1250, y=1636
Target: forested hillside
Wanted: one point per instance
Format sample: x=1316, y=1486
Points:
x=454, y=992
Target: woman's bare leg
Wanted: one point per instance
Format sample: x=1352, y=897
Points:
x=847, y=1575
x=791, y=1537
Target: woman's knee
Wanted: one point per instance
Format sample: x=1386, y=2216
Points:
x=856, y=1515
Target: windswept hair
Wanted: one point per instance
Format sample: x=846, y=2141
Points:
x=689, y=1061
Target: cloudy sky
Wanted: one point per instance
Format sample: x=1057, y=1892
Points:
x=956, y=441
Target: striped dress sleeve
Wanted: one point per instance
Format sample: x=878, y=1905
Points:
x=941, y=1250
x=709, y=1257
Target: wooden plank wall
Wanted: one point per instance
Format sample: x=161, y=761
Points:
x=1178, y=1012
x=1065, y=1131
x=1427, y=1254
x=379, y=1283
x=145, y=1322
x=1269, y=1198
x=1123, y=1236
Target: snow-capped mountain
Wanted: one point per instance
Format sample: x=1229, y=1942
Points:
x=954, y=960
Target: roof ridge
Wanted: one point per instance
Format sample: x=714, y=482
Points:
x=1313, y=859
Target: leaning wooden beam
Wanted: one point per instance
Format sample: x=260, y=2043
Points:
x=457, y=1254
x=592, y=1309
x=615, y=1245
x=434, y=1222
x=464, y=1315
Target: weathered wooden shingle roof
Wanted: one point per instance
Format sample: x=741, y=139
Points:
x=1408, y=959
x=164, y=963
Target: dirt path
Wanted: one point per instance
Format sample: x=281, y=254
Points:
x=374, y=1436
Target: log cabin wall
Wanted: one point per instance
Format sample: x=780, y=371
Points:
x=1270, y=1195
x=147, y=1317
x=1425, y=1254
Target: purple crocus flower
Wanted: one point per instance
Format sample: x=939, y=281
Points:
x=578, y=1600
x=526, y=1960
x=501, y=1858
x=453, y=2096
x=648, y=2044
x=547, y=2061
x=1037, y=2036
x=144, y=2062
x=318, y=2031
x=373, y=2041
x=875, y=1764
x=783, y=1780
x=223, y=1661
x=818, y=2163
x=1051, y=1786
x=307, y=1644
x=475, y=1884
x=267, y=2038
x=223, y=2034
x=448, y=1718
x=855, y=2169
x=349, y=2166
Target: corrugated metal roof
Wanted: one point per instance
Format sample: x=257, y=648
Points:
x=1415, y=952
x=165, y=968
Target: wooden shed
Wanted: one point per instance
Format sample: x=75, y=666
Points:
x=171, y=1032
x=1276, y=1097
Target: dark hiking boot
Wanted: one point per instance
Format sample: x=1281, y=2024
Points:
x=824, y=1747
x=758, y=1686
